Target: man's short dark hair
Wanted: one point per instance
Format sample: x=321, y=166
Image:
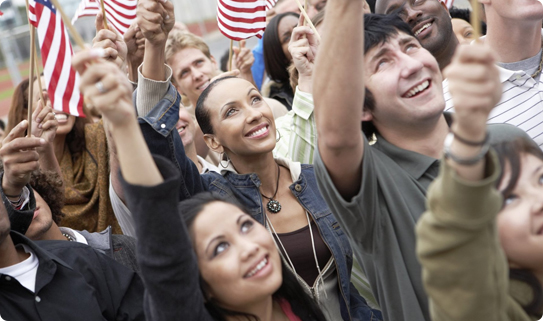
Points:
x=379, y=29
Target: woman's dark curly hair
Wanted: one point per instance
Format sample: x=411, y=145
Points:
x=49, y=185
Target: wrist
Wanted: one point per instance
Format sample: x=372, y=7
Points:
x=305, y=84
x=11, y=190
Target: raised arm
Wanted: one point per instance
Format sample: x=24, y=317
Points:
x=457, y=243
x=339, y=93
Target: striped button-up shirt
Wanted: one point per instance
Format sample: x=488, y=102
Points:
x=521, y=104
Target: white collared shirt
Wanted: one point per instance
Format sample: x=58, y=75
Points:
x=521, y=104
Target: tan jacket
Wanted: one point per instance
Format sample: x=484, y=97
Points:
x=465, y=271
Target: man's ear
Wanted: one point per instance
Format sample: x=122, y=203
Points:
x=366, y=114
x=213, y=143
x=444, y=5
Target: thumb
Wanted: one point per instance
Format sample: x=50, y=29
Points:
x=99, y=22
x=17, y=132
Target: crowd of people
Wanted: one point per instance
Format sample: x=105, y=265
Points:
x=387, y=168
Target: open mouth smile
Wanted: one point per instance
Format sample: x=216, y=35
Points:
x=416, y=90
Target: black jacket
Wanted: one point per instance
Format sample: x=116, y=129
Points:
x=73, y=282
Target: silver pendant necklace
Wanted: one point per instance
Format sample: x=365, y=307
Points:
x=273, y=205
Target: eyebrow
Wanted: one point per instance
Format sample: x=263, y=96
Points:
x=537, y=169
x=218, y=237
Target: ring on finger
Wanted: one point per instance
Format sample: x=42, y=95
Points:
x=100, y=86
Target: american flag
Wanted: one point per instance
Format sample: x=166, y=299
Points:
x=119, y=13
x=270, y=4
x=241, y=19
x=61, y=79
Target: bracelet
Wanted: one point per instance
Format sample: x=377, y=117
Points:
x=459, y=160
x=469, y=142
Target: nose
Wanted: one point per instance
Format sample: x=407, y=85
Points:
x=253, y=114
x=411, y=15
x=248, y=249
x=196, y=73
x=410, y=65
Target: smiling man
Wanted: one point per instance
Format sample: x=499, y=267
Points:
x=430, y=22
x=379, y=191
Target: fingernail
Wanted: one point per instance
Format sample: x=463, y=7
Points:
x=38, y=120
x=39, y=126
x=167, y=16
x=98, y=52
x=23, y=122
x=42, y=141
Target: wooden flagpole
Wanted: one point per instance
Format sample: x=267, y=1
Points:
x=306, y=17
x=306, y=5
x=230, y=55
x=38, y=74
x=31, y=79
x=474, y=19
x=104, y=14
x=77, y=38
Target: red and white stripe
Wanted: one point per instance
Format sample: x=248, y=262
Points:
x=61, y=79
x=120, y=13
x=270, y=4
x=241, y=19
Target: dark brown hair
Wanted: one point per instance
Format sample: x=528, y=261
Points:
x=49, y=185
x=511, y=153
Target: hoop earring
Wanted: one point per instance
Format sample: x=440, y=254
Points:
x=279, y=138
x=221, y=158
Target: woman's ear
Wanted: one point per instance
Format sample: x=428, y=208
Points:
x=213, y=143
x=366, y=114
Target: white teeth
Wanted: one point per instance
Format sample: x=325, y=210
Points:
x=203, y=86
x=259, y=267
x=180, y=129
x=418, y=89
x=61, y=117
x=422, y=28
x=259, y=132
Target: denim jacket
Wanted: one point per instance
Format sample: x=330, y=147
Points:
x=158, y=129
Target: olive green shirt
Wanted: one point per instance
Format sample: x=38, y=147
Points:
x=380, y=220
x=465, y=271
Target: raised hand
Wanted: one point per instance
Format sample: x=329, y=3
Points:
x=303, y=48
x=44, y=123
x=135, y=44
x=155, y=19
x=475, y=89
x=105, y=87
x=111, y=41
x=20, y=158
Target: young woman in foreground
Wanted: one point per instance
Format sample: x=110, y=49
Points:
x=236, y=273
x=481, y=240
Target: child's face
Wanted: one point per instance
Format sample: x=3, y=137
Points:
x=520, y=222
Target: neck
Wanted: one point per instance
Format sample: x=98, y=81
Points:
x=267, y=310
x=190, y=151
x=58, y=145
x=53, y=233
x=426, y=140
x=9, y=254
x=505, y=37
x=262, y=165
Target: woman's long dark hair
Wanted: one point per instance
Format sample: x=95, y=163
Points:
x=510, y=152
x=290, y=290
x=275, y=61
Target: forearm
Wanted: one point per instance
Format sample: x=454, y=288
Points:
x=153, y=61
x=135, y=160
x=459, y=250
x=113, y=164
x=339, y=87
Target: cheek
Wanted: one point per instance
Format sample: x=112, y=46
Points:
x=514, y=233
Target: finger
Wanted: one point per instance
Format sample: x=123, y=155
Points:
x=36, y=112
x=131, y=32
x=242, y=44
x=475, y=53
x=17, y=131
x=82, y=58
x=105, y=34
x=42, y=113
x=99, y=21
x=23, y=143
x=301, y=20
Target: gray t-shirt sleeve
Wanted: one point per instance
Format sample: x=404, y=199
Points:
x=356, y=216
x=122, y=213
